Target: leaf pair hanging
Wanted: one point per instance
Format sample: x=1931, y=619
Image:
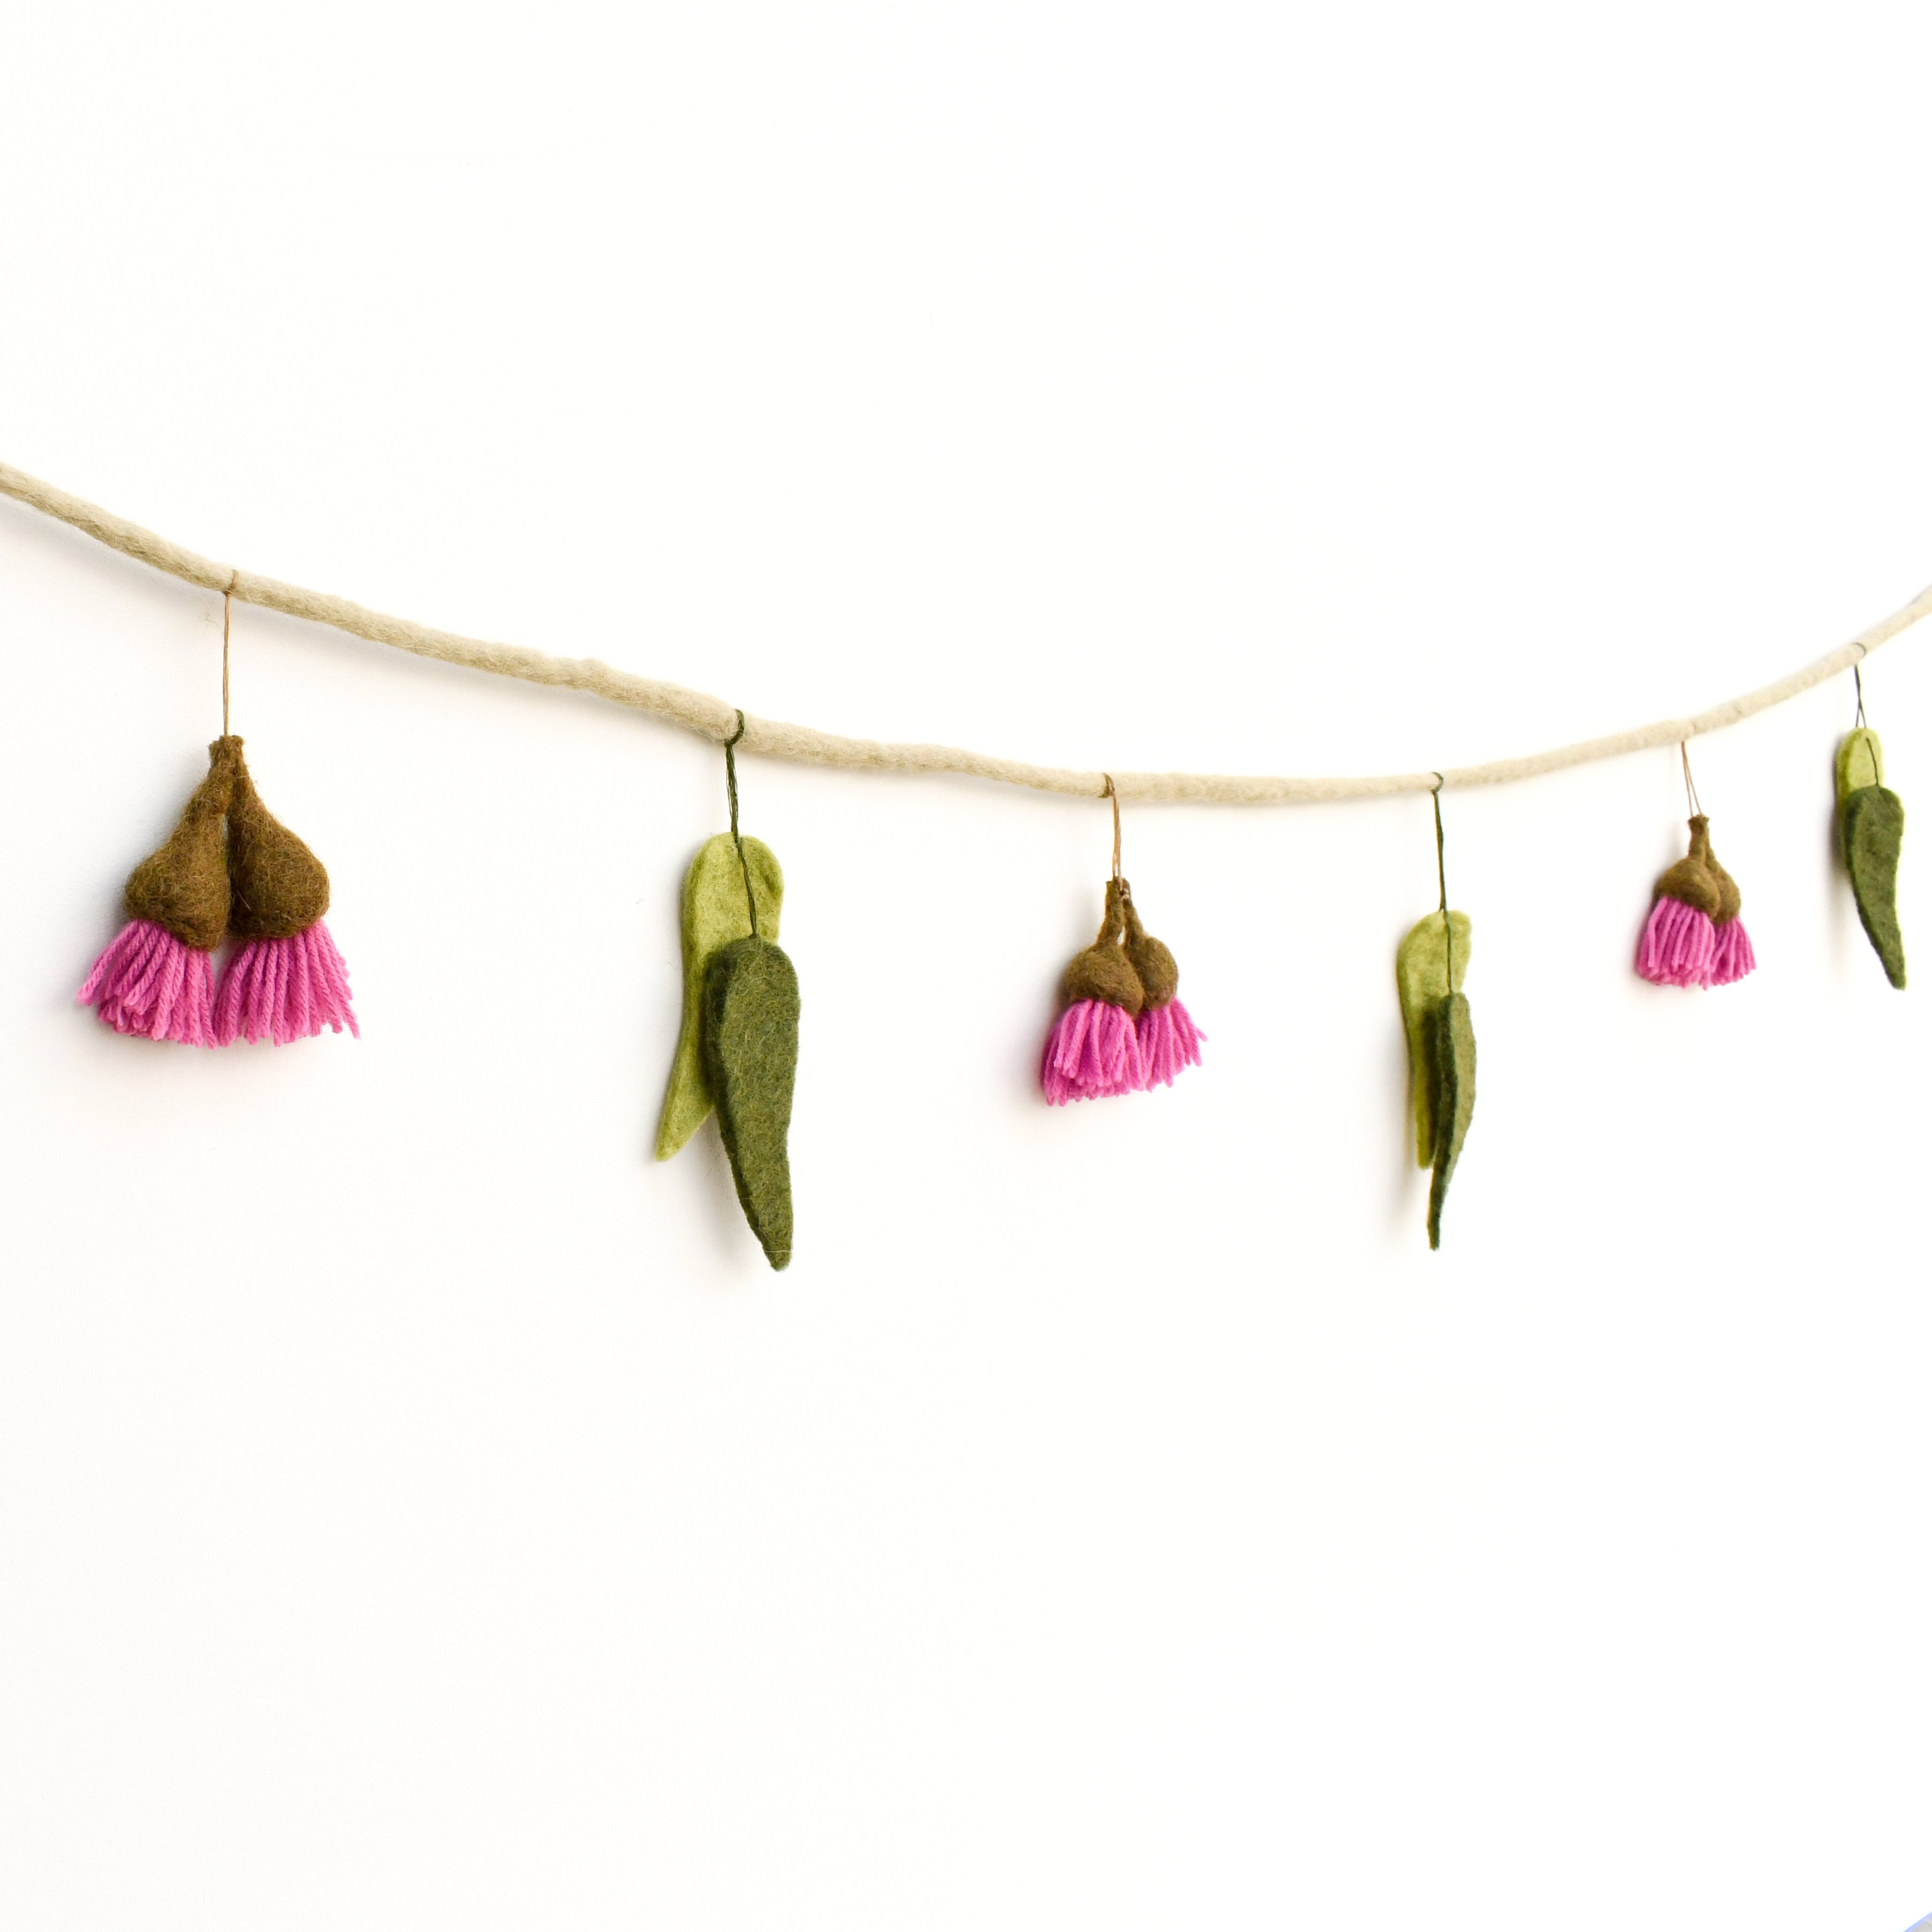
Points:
x=737, y=1048
x=1693, y=936
x=1122, y=1028
x=1429, y=966
x=259, y=885
x=1871, y=826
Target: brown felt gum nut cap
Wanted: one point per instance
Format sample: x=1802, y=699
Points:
x=183, y=887
x=1103, y=972
x=1693, y=879
x=278, y=886
x=1152, y=964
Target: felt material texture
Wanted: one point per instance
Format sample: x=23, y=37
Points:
x=1693, y=881
x=149, y=982
x=183, y=887
x=1873, y=821
x=714, y=914
x=750, y=1016
x=1103, y=971
x=277, y=885
x=1451, y=1046
x=1429, y=965
x=1153, y=965
x=1860, y=762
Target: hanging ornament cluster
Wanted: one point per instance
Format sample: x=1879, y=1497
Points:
x=1429, y=966
x=1693, y=936
x=229, y=870
x=1122, y=1028
x=737, y=1048
x=1871, y=829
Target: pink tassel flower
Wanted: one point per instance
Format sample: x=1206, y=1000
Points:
x=1093, y=1051
x=284, y=989
x=150, y=983
x=285, y=981
x=1693, y=936
x=1169, y=1040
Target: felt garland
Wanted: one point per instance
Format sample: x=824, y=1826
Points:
x=230, y=872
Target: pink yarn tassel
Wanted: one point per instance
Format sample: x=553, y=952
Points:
x=1092, y=1051
x=283, y=990
x=1733, y=958
x=1678, y=944
x=148, y=982
x=1169, y=1041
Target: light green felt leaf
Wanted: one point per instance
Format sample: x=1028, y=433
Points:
x=1874, y=831
x=714, y=914
x=1452, y=1051
x=1861, y=762
x=751, y=1055
x=1421, y=982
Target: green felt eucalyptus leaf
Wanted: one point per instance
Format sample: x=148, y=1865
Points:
x=1428, y=964
x=750, y=1058
x=1861, y=762
x=714, y=914
x=1874, y=825
x=1452, y=1050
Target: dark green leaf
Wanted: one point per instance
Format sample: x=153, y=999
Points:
x=1874, y=830
x=750, y=1056
x=1452, y=1045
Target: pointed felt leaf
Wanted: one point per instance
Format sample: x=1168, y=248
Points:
x=1452, y=1044
x=1874, y=830
x=714, y=914
x=1424, y=972
x=750, y=1056
x=1861, y=762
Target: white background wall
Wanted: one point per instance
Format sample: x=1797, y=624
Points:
x=418, y=1511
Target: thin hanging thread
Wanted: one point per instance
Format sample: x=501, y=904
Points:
x=1690, y=783
x=731, y=789
x=1115, y=799
x=1442, y=892
x=227, y=614
x=1857, y=679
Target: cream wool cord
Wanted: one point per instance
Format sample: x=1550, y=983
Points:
x=712, y=718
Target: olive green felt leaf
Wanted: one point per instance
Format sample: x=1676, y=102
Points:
x=1421, y=981
x=1451, y=1038
x=751, y=1057
x=1861, y=762
x=714, y=914
x=1874, y=821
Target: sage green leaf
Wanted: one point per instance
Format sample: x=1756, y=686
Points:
x=1452, y=1045
x=751, y=1057
x=714, y=914
x=1428, y=964
x=1861, y=762
x=1874, y=820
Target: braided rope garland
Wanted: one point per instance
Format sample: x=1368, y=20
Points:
x=712, y=718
